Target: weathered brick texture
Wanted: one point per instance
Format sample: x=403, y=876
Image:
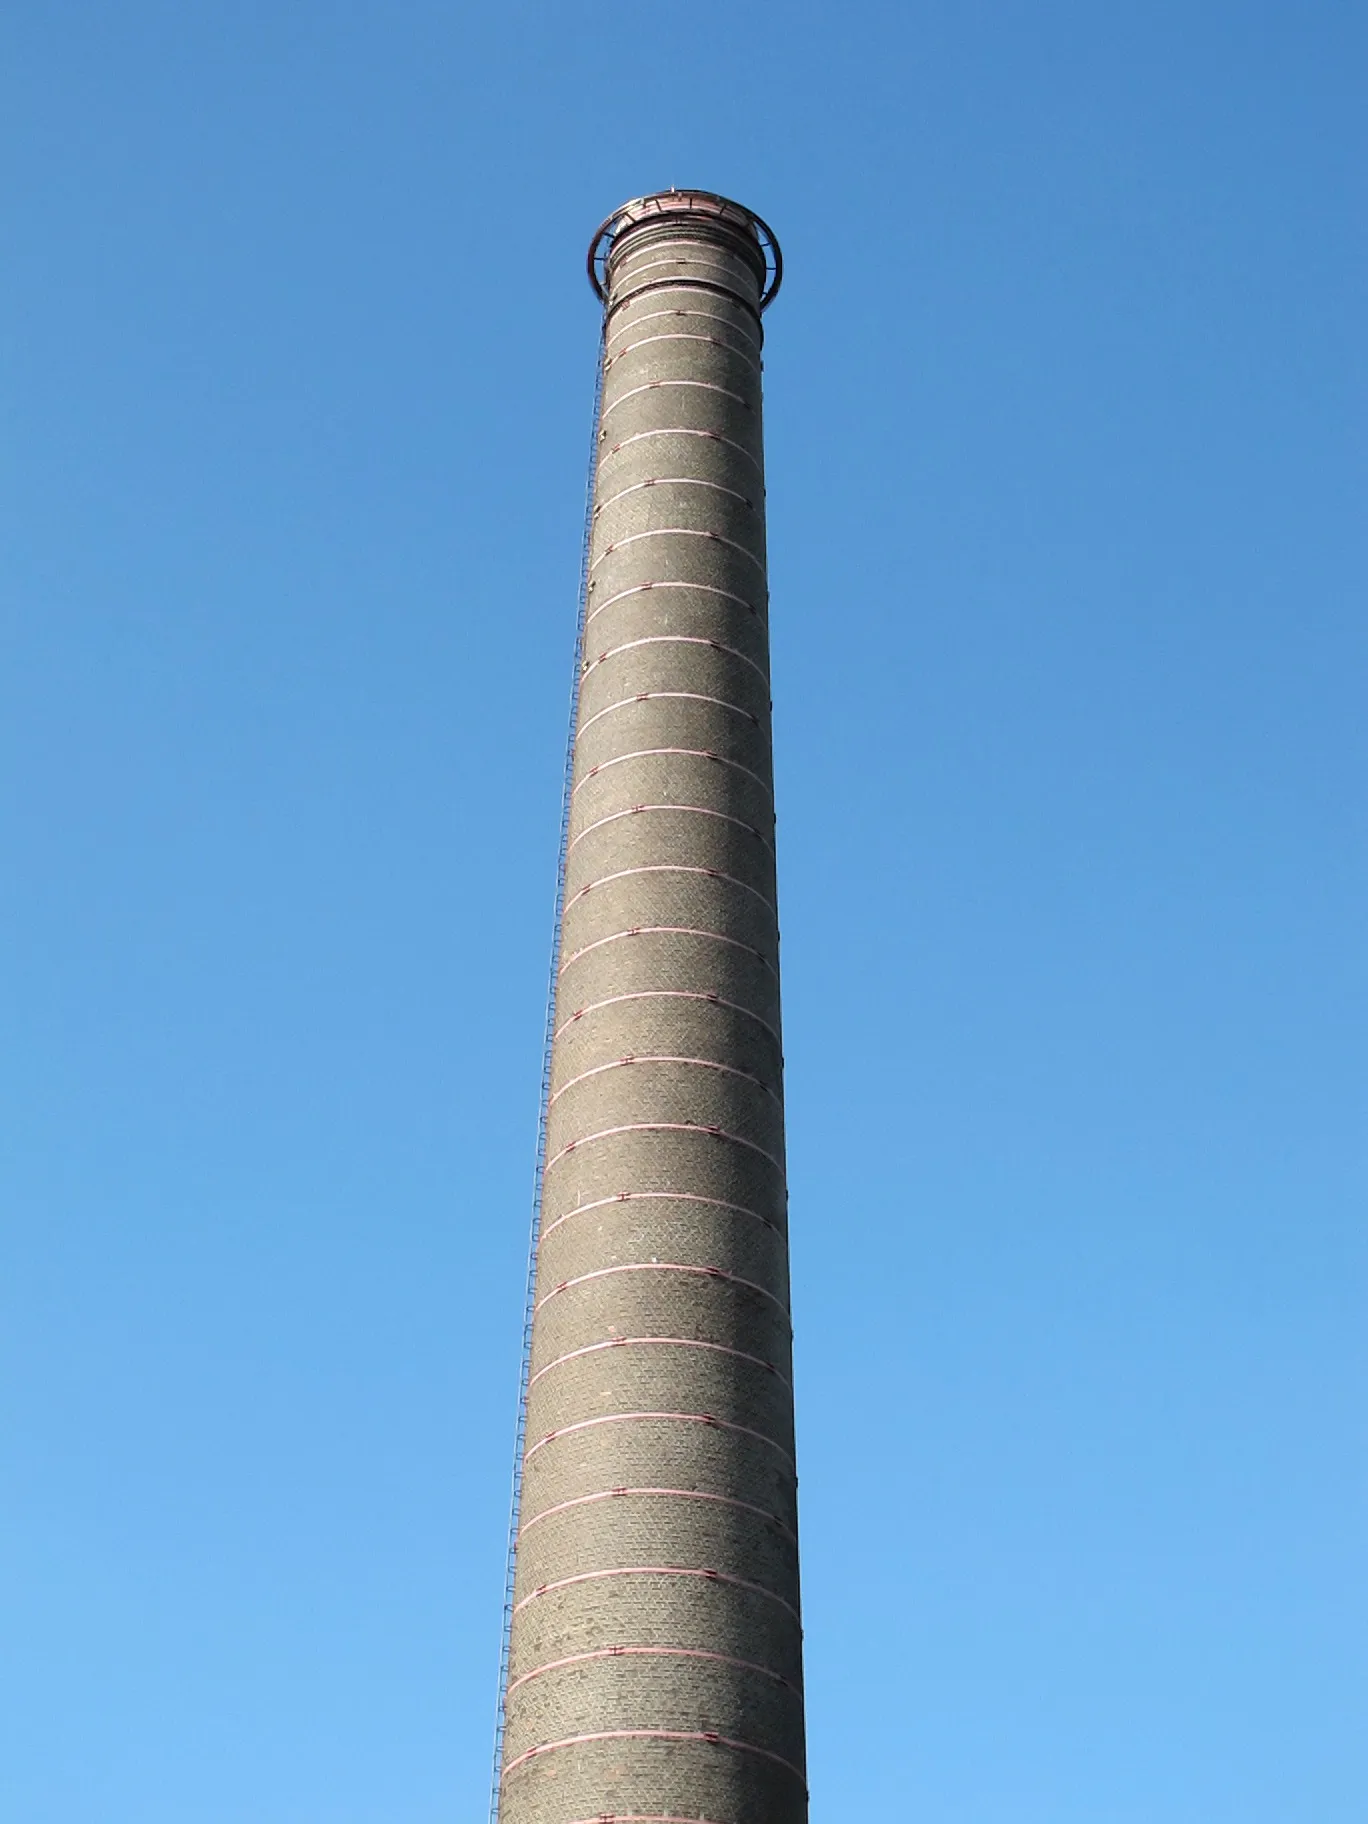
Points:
x=656, y=1660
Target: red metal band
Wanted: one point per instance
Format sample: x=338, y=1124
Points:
x=634, y=263
x=668, y=994
x=673, y=867
x=658, y=1570
x=730, y=1070
x=649, y=1342
x=673, y=481
x=635, y=538
x=662, y=1266
x=675, y=639
x=679, y=1494
x=717, y=1203
x=614, y=937
x=695, y=810
x=657, y=1735
x=679, y=335
x=660, y=753
x=708, y=316
x=640, y=1817
x=651, y=386
x=682, y=1418
x=664, y=1127
x=725, y=1659
x=683, y=430
x=668, y=696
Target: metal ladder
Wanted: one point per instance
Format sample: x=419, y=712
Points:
x=515, y=1498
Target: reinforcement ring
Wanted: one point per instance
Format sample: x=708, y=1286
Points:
x=685, y=202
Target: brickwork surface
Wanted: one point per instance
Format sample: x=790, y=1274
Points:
x=656, y=1661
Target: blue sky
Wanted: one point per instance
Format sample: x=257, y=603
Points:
x=1065, y=415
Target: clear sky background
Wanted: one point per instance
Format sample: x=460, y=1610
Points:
x=1065, y=421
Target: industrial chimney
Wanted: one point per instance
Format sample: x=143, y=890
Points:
x=654, y=1667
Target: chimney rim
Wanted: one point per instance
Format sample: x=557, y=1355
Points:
x=661, y=205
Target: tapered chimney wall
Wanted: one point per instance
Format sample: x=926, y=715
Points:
x=656, y=1656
